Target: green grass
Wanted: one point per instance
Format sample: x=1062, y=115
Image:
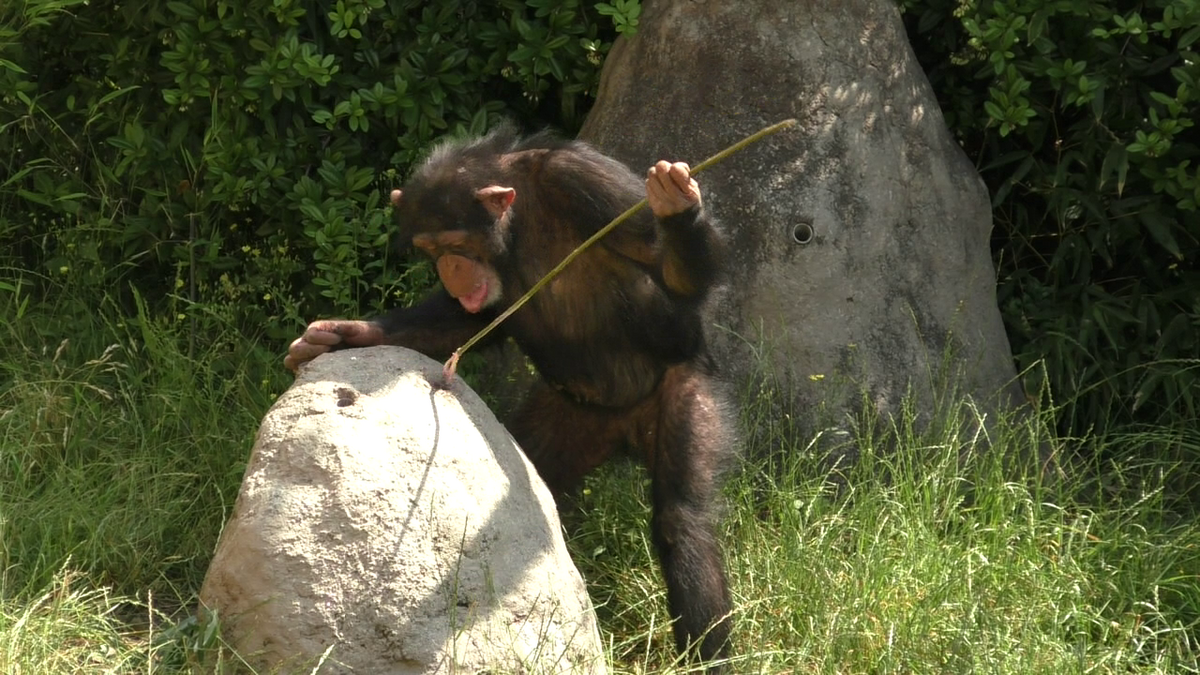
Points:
x=913, y=563
x=120, y=456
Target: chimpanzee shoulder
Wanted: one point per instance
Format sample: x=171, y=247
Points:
x=483, y=155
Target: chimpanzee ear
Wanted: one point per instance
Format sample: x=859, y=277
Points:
x=496, y=199
x=396, y=197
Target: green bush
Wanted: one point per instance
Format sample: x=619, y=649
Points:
x=232, y=157
x=1080, y=115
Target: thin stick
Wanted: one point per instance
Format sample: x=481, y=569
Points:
x=451, y=366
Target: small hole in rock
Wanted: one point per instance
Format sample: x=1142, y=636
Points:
x=802, y=233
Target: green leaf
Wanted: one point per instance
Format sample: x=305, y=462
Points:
x=183, y=10
x=479, y=122
x=555, y=69
x=1162, y=98
x=930, y=19
x=1037, y=25
x=1098, y=102
x=1115, y=160
x=34, y=197
x=1159, y=228
x=1016, y=177
x=1146, y=390
x=1188, y=38
x=312, y=212
x=12, y=66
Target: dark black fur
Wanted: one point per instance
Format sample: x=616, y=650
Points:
x=617, y=337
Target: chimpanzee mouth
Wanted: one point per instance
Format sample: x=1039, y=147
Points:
x=476, y=299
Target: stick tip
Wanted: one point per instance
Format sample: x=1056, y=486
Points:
x=449, y=369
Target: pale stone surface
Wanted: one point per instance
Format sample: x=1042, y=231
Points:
x=392, y=527
x=896, y=279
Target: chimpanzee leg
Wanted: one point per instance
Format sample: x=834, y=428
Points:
x=563, y=439
x=685, y=464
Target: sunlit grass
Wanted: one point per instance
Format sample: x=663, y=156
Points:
x=916, y=561
x=70, y=627
x=945, y=549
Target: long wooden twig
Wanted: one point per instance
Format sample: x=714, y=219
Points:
x=451, y=366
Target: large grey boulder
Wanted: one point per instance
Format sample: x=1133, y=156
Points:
x=387, y=526
x=860, y=244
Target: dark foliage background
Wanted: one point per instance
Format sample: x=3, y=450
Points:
x=232, y=157
x=1080, y=115
x=225, y=162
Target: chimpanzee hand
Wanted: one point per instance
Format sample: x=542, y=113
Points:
x=670, y=189
x=322, y=336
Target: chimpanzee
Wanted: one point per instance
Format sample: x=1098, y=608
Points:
x=617, y=337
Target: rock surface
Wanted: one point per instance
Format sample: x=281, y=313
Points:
x=385, y=526
x=860, y=238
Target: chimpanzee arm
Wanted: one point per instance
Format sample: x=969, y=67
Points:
x=693, y=252
x=435, y=327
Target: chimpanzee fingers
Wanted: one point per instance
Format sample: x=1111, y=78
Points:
x=681, y=174
x=676, y=179
x=302, y=351
x=660, y=174
x=659, y=181
x=317, y=339
x=681, y=178
x=325, y=332
x=322, y=336
x=359, y=333
x=661, y=202
x=670, y=188
x=654, y=190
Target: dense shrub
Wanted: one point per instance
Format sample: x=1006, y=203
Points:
x=1081, y=116
x=231, y=156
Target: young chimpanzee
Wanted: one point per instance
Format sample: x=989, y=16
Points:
x=617, y=337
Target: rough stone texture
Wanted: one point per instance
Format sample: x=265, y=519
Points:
x=898, y=272
x=394, y=528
